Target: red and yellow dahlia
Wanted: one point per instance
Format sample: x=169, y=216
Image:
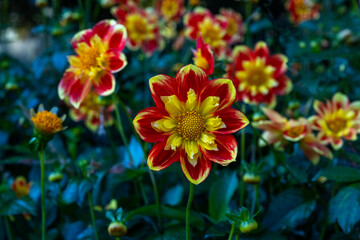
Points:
x=21, y=187
x=213, y=30
x=257, y=75
x=302, y=10
x=234, y=25
x=171, y=10
x=336, y=119
x=142, y=26
x=99, y=55
x=192, y=122
x=94, y=111
x=203, y=56
x=278, y=131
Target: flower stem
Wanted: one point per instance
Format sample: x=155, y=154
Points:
x=42, y=179
x=8, y=229
x=242, y=184
x=232, y=231
x=157, y=201
x=93, y=220
x=191, y=196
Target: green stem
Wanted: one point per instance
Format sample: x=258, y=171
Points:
x=82, y=15
x=355, y=7
x=247, y=15
x=120, y=128
x=191, y=196
x=142, y=190
x=237, y=236
x=8, y=229
x=43, y=210
x=232, y=231
x=257, y=196
x=242, y=154
x=157, y=201
x=93, y=220
x=117, y=238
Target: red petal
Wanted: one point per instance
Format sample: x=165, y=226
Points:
x=118, y=37
x=66, y=83
x=78, y=92
x=261, y=50
x=103, y=28
x=227, y=150
x=234, y=120
x=222, y=88
x=159, y=158
x=161, y=85
x=188, y=77
x=143, y=127
x=198, y=173
x=117, y=61
x=106, y=84
x=82, y=36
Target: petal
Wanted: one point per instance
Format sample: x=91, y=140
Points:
x=198, y=173
x=222, y=88
x=189, y=77
x=273, y=115
x=106, y=84
x=82, y=36
x=336, y=143
x=340, y=100
x=66, y=83
x=117, y=61
x=143, y=124
x=351, y=136
x=78, y=92
x=103, y=28
x=159, y=158
x=227, y=150
x=172, y=105
x=118, y=37
x=319, y=107
x=161, y=85
x=261, y=50
x=233, y=119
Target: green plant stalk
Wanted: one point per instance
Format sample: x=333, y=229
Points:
x=157, y=201
x=355, y=7
x=8, y=229
x=257, y=196
x=247, y=15
x=232, y=231
x=82, y=23
x=242, y=154
x=117, y=238
x=191, y=196
x=93, y=219
x=238, y=236
x=42, y=179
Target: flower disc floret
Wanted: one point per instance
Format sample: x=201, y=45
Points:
x=47, y=122
x=192, y=122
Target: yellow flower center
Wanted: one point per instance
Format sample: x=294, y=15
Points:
x=232, y=27
x=169, y=8
x=337, y=124
x=200, y=61
x=302, y=7
x=138, y=28
x=190, y=125
x=296, y=131
x=256, y=76
x=212, y=33
x=47, y=122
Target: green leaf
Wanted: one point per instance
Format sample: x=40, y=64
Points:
x=17, y=206
x=339, y=174
x=168, y=212
x=287, y=210
x=221, y=193
x=345, y=207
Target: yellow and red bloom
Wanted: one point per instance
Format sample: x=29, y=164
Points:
x=99, y=55
x=213, y=30
x=21, y=187
x=234, y=25
x=171, y=10
x=302, y=10
x=142, y=26
x=203, y=56
x=192, y=122
x=46, y=123
x=279, y=131
x=257, y=75
x=94, y=111
x=336, y=119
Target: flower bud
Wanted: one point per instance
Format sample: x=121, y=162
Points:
x=251, y=178
x=41, y=3
x=248, y=226
x=55, y=177
x=117, y=229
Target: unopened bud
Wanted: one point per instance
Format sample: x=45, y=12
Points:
x=117, y=229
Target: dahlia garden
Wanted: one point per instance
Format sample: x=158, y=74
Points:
x=179, y=119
